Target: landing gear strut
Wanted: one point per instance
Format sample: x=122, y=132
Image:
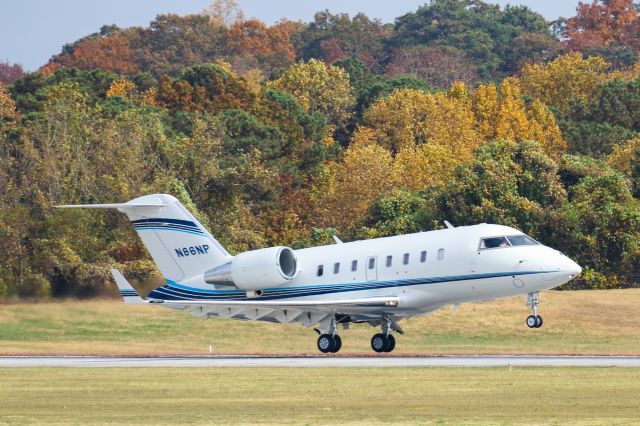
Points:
x=384, y=342
x=534, y=320
x=331, y=341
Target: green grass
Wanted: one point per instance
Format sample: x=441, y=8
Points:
x=584, y=322
x=320, y=396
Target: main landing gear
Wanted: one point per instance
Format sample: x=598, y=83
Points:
x=330, y=342
x=534, y=320
x=384, y=342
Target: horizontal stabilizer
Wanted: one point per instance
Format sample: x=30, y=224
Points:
x=129, y=294
x=110, y=206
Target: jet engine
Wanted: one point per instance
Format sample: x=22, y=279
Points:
x=256, y=270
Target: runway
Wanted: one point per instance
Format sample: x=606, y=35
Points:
x=320, y=361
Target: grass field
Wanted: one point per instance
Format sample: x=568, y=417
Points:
x=583, y=322
x=319, y=396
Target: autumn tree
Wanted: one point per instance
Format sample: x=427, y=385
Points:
x=602, y=23
x=409, y=117
x=438, y=66
x=7, y=105
x=224, y=12
x=210, y=88
x=503, y=114
x=353, y=184
x=10, y=72
x=626, y=159
x=251, y=43
x=319, y=87
x=173, y=42
x=564, y=78
x=111, y=52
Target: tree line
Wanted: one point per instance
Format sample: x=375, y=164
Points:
x=292, y=133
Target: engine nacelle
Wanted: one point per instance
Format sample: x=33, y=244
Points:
x=256, y=270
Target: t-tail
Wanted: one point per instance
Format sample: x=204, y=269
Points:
x=179, y=245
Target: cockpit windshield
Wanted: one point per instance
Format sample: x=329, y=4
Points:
x=507, y=241
x=495, y=242
x=522, y=240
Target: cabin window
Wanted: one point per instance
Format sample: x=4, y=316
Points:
x=354, y=265
x=389, y=261
x=423, y=256
x=320, y=270
x=441, y=254
x=336, y=267
x=405, y=259
x=372, y=262
x=494, y=242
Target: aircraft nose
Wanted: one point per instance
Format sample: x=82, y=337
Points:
x=572, y=268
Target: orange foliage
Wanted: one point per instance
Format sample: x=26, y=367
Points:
x=111, y=53
x=601, y=23
x=269, y=45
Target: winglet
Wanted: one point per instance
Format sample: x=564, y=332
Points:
x=128, y=293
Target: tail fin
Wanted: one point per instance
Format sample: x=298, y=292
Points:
x=179, y=245
x=129, y=294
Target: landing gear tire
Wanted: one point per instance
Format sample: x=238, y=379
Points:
x=378, y=342
x=381, y=343
x=337, y=344
x=534, y=321
x=539, y=321
x=326, y=342
x=390, y=343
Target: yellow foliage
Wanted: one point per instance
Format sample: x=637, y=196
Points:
x=502, y=114
x=123, y=88
x=254, y=79
x=485, y=106
x=422, y=166
x=622, y=156
x=511, y=121
x=544, y=129
x=354, y=183
x=410, y=117
x=558, y=81
x=459, y=92
x=319, y=87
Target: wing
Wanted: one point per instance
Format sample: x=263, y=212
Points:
x=307, y=312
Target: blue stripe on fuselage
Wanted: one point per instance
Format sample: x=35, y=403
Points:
x=176, y=291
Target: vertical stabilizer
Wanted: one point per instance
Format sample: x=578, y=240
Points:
x=179, y=245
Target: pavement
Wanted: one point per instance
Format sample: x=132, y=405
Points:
x=321, y=361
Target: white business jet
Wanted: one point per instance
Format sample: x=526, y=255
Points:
x=377, y=282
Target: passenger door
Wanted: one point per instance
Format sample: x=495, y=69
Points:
x=371, y=268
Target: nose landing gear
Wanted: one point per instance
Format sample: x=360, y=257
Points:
x=534, y=320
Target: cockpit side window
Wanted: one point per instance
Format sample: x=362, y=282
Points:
x=494, y=242
x=522, y=240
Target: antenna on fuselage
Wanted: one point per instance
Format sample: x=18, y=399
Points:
x=337, y=240
x=448, y=224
